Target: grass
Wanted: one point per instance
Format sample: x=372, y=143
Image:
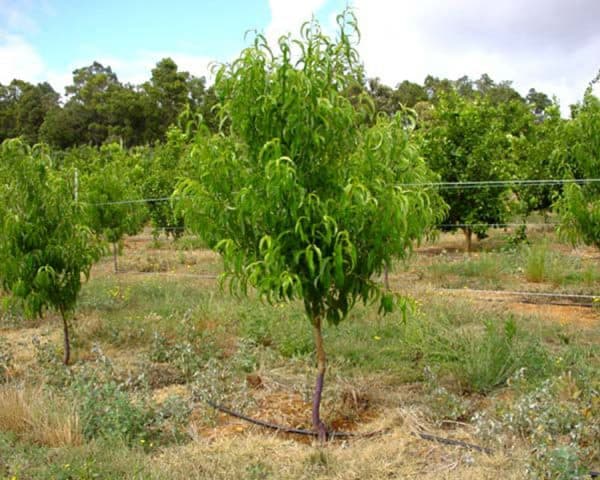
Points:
x=152, y=348
x=489, y=269
x=539, y=262
x=37, y=416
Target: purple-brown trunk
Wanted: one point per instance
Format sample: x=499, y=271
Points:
x=386, y=277
x=318, y=425
x=67, y=342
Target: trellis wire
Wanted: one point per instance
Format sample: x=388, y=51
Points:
x=439, y=185
x=502, y=183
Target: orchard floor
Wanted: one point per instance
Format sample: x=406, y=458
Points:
x=512, y=372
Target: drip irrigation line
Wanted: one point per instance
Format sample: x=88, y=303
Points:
x=168, y=228
x=452, y=442
x=296, y=431
x=342, y=435
x=575, y=296
x=346, y=435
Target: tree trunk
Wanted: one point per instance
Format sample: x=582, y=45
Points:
x=468, y=237
x=67, y=352
x=386, y=277
x=115, y=253
x=318, y=425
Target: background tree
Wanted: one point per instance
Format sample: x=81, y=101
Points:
x=171, y=91
x=410, y=93
x=103, y=189
x=44, y=249
x=383, y=96
x=538, y=153
x=163, y=166
x=23, y=107
x=465, y=141
x=301, y=197
x=539, y=102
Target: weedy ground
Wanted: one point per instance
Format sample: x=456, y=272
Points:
x=154, y=342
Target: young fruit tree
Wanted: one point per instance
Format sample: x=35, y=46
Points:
x=467, y=140
x=299, y=195
x=44, y=249
x=579, y=206
x=113, y=202
x=163, y=165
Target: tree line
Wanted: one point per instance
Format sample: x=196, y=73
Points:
x=98, y=108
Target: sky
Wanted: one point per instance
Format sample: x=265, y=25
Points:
x=550, y=45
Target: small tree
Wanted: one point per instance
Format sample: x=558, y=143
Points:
x=579, y=206
x=44, y=249
x=163, y=167
x=299, y=195
x=108, y=191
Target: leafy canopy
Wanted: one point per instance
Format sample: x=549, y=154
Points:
x=579, y=207
x=43, y=247
x=469, y=140
x=298, y=194
x=109, y=183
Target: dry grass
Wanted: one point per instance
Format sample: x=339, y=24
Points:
x=395, y=455
x=38, y=416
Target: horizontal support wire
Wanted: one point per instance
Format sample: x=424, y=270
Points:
x=502, y=183
x=138, y=200
x=439, y=185
x=496, y=225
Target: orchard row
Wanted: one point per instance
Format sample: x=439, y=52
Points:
x=309, y=188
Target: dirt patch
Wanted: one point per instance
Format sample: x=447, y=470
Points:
x=565, y=315
x=162, y=394
x=21, y=344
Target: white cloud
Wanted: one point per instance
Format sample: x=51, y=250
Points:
x=549, y=45
x=137, y=69
x=15, y=16
x=18, y=59
x=287, y=16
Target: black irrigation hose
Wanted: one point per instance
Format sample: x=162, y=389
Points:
x=296, y=431
x=334, y=435
x=450, y=441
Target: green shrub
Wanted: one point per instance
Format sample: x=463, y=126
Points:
x=558, y=418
